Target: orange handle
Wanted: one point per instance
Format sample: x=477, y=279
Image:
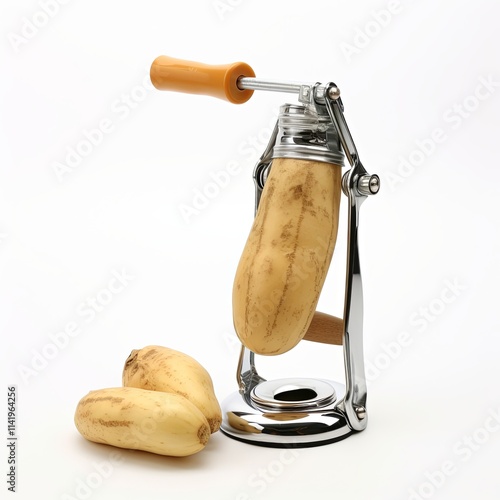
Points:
x=191, y=77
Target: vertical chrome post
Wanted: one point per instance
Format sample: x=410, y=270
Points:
x=354, y=404
x=357, y=185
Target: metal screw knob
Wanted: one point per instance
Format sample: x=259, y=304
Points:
x=334, y=93
x=369, y=184
x=360, y=412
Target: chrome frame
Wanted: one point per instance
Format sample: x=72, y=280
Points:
x=253, y=414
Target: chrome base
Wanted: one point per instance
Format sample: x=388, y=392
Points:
x=287, y=413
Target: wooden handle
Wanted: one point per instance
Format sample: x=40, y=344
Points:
x=191, y=77
x=325, y=329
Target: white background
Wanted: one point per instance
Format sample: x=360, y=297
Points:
x=431, y=230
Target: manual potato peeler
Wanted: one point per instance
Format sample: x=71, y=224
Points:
x=291, y=412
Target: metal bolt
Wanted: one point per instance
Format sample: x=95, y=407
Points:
x=360, y=412
x=369, y=184
x=334, y=93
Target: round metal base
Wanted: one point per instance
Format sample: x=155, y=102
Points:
x=287, y=413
